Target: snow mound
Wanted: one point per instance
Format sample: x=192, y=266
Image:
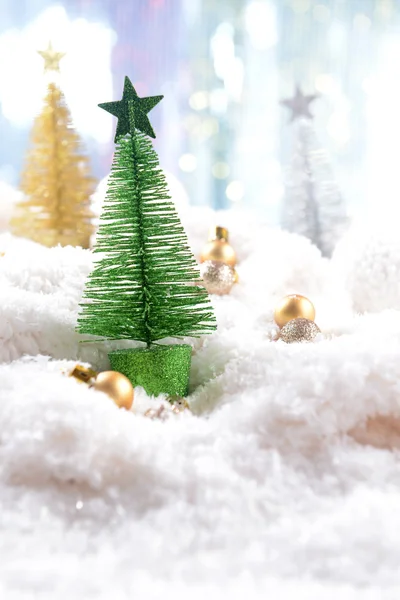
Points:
x=369, y=263
x=280, y=482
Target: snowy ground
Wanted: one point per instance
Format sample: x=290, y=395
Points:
x=269, y=489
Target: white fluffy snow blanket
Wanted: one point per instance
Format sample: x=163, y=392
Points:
x=282, y=483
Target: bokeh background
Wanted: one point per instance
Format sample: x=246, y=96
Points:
x=223, y=66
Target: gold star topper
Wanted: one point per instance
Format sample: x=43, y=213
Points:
x=51, y=58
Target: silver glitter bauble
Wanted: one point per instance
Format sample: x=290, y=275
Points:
x=299, y=330
x=218, y=277
x=178, y=404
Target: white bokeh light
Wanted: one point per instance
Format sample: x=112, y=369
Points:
x=85, y=70
x=199, y=100
x=235, y=191
x=228, y=67
x=382, y=88
x=261, y=24
x=188, y=163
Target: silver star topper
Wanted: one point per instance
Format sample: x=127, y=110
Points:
x=299, y=104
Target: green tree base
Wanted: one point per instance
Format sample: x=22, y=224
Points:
x=159, y=369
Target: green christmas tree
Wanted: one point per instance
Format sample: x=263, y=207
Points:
x=144, y=286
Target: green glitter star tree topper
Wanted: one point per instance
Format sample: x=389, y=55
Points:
x=143, y=288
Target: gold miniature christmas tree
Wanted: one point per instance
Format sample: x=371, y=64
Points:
x=56, y=179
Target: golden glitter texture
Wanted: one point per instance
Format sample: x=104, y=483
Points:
x=178, y=404
x=56, y=181
x=218, y=278
x=299, y=330
x=291, y=307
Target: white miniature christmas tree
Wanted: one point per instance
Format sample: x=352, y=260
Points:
x=313, y=205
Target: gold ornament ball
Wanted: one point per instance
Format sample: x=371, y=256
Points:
x=299, y=330
x=218, y=250
x=218, y=247
x=218, y=278
x=292, y=307
x=116, y=386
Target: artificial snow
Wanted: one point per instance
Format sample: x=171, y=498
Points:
x=369, y=262
x=269, y=488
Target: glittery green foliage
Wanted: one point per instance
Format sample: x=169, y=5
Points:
x=144, y=285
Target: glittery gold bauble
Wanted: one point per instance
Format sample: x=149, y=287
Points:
x=218, y=248
x=218, y=278
x=293, y=306
x=299, y=330
x=117, y=386
x=178, y=403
